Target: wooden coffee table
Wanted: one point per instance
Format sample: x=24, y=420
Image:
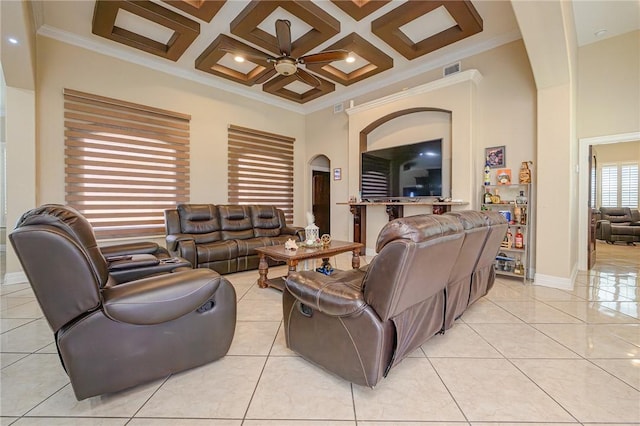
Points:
x=292, y=257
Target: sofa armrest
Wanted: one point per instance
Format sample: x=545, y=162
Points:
x=174, y=239
x=160, y=299
x=295, y=231
x=603, y=230
x=336, y=295
x=143, y=247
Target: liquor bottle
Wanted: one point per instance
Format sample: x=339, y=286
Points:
x=519, y=268
x=519, y=239
x=495, y=198
x=487, y=173
x=487, y=196
x=509, y=238
x=521, y=199
x=523, y=216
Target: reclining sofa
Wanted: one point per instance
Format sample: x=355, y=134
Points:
x=358, y=324
x=224, y=237
x=111, y=336
x=618, y=224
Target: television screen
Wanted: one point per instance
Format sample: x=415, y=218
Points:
x=406, y=171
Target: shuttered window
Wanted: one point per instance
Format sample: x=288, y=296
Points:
x=629, y=185
x=609, y=186
x=260, y=169
x=124, y=163
x=619, y=185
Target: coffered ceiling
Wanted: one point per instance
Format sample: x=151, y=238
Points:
x=389, y=40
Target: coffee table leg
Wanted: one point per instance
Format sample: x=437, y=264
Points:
x=263, y=268
x=355, y=260
x=292, y=266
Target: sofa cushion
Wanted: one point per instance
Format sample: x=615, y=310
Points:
x=219, y=250
x=235, y=222
x=266, y=221
x=417, y=229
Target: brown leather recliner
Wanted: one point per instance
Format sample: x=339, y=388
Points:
x=113, y=336
x=360, y=323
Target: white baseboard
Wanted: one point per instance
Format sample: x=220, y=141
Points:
x=556, y=282
x=15, y=278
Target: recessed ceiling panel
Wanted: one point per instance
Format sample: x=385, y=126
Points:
x=214, y=60
x=374, y=61
x=184, y=30
x=358, y=9
x=278, y=86
x=247, y=25
x=201, y=9
x=387, y=27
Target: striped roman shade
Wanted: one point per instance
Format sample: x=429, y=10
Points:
x=261, y=169
x=125, y=163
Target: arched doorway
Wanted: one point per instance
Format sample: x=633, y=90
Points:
x=321, y=192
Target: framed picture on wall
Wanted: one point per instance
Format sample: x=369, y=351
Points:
x=496, y=156
x=337, y=174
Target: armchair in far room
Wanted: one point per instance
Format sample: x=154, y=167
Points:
x=618, y=224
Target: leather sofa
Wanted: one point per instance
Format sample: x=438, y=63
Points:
x=618, y=224
x=113, y=336
x=359, y=324
x=224, y=237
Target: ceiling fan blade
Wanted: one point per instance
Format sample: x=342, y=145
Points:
x=328, y=56
x=283, y=34
x=245, y=53
x=308, y=78
x=266, y=76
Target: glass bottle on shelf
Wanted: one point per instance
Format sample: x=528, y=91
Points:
x=495, y=198
x=519, y=240
x=509, y=238
x=523, y=216
x=487, y=173
x=517, y=214
x=519, y=268
x=487, y=196
x=521, y=199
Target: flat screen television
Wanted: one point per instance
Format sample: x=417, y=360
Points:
x=405, y=172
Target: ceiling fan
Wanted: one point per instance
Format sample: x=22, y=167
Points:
x=285, y=64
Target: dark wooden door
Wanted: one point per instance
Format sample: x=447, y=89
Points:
x=593, y=183
x=321, y=200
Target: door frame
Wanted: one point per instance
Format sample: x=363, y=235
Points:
x=583, y=187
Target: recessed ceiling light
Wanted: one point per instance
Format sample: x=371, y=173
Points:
x=350, y=59
x=600, y=33
x=13, y=40
x=238, y=59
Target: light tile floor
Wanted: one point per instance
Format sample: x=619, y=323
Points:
x=523, y=355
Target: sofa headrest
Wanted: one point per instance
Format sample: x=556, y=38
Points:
x=616, y=214
x=470, y=219
x=198, y=218
x=418, y=229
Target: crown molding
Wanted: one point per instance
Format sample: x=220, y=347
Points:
x=468, y=75
x=397, y=76
x=162, y=66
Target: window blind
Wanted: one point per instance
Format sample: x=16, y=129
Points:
x=629, y=185
x=124, y=163
x=260, y=169
x=609, y=186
